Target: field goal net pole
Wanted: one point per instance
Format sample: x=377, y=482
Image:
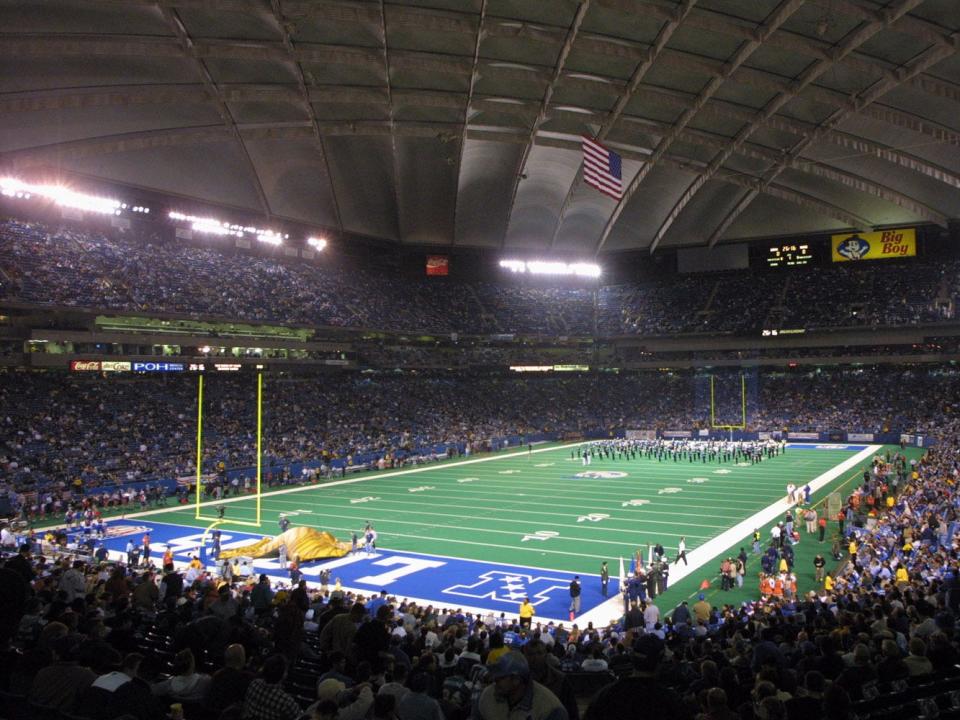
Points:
x=259, y=496
x=743, y=408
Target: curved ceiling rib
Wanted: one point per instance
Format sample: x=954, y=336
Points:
x=853, y=40
x=677, y=83
x=120, y=96
x=187, y=48
x=818, y=169
x=570, y=38
x=77, y=149
x=394, y=158
x=466, y=115
x=54, y=45
x=691, y=166
x=623, y=99
x=303, y=96
x=779, y=16
x=88, y=147
x=931, y=57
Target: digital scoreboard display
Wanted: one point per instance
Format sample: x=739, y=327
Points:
x=789, y=255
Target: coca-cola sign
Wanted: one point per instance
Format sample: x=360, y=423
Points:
x=85, y=365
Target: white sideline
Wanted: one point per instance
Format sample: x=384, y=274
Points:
x=711, y=550
x=380, y=475
x=608, y=611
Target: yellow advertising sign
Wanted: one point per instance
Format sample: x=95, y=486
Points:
x=880, y=245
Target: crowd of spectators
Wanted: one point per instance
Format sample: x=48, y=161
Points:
x=76, y=267
x=880, y=637
x=58, y=429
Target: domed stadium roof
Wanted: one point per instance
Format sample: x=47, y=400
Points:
x=459, y=122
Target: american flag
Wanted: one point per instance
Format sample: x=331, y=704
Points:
x=601, y=168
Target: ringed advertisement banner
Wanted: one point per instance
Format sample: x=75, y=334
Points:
x=99, y=366
x=438, y=265
x=881, y=245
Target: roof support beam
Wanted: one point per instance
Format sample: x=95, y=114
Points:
x=689, y=166
x=930, y=57
x=466, y=113
x=623, y=99
x=854, y=40
x=25, y=159
x=394, y=157
x=779, y=16
x=123, y=96
x=305, y=101
x=188, y=50
x=544, y=105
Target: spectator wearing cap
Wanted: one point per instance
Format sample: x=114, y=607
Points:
x=515, y=694
x=353, y=704
x=701, y=609
x=376, y=602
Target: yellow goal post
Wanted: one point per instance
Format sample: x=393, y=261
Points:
x=743, y=407
x=199, y=505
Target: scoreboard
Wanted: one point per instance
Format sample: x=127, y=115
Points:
x=789, y=255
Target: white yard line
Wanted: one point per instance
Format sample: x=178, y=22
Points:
x=336, y=483
x=710, y=550
x=612, y=608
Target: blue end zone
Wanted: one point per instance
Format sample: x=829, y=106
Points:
x=444, y=581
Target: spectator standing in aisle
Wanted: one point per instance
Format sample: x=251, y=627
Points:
x=574, y=597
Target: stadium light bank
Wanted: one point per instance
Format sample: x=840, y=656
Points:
x=62, y=196
x=548, y=267
x=213, y=226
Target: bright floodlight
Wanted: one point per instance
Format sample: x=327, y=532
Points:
x=270, y=237
x=213, y=226
x=317, y=243
x=551, y=267
x=64, y=197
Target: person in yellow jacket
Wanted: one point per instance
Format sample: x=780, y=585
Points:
x=527, y=611
x=903, y=577
x=828, y=583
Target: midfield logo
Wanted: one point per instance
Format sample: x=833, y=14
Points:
x=502, y=586
x=601, y=474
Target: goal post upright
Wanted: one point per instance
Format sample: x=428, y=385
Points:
x=259, y=443
x=198, y=505
x=199, y=458
x=743, y=407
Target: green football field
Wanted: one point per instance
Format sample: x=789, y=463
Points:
x=537, y=510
